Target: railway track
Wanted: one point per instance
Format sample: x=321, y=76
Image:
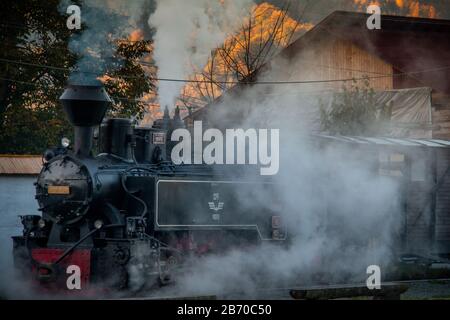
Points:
x=389, y=290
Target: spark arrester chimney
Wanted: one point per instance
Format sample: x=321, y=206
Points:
x=85, y=107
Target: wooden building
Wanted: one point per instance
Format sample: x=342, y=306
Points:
x=421, y=168
x=406, y=53
x=17, y=175
x=410, y=58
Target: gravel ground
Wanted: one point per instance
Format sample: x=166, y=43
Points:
x=433, y=289
x=420, y=290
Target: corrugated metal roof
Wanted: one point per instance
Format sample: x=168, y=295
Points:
x=428, y=143
x=20, y=164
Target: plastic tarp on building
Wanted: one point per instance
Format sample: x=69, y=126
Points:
x=411, y=110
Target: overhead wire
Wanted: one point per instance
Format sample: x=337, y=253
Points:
x=431, y=70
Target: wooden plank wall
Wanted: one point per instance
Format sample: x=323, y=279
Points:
x=20, y=164
x=428, y=232
x=340, y=59
x=442, y=230
x=418, y=219
x=419, y=182
x=441, y=115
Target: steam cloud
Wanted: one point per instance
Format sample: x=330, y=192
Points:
x=341, y=216
x=332, y=206
x=361, y=204
x=186, y=32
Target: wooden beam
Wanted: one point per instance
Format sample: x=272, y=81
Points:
x=388, y=291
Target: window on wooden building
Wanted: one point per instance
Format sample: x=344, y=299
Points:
x=391, y=164
x=418, y=169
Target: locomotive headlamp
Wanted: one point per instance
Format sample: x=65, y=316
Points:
x=65, y=142
x=276, y=222
x=98, y=224
x=41, y=223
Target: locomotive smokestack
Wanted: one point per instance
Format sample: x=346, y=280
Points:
x=85, y=107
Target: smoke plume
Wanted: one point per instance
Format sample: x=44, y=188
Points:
x=185, y=34
x=342, y=216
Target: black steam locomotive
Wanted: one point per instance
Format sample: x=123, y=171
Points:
x=128, y=217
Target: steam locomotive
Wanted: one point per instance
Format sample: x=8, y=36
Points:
x=127, y=217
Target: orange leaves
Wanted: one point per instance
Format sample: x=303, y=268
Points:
x=411, y=8
x=266, y=30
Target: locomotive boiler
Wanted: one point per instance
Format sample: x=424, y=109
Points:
x=126, y=217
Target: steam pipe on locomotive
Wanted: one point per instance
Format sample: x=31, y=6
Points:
x=129, y=210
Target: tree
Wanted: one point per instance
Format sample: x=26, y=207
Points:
x=355, y=112
x=32, y=33
x=127, y=83
x=413, y=8
x=265, y=31
x=35, y=64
